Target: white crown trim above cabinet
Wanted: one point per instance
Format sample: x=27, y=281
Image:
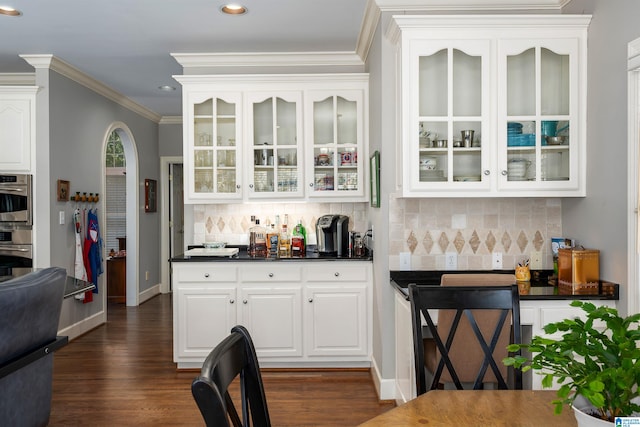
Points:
x=492, y=105
x=278, y=137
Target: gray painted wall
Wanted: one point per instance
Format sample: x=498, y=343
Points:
x=79, y=120
x=600, y=220
x=170, y=142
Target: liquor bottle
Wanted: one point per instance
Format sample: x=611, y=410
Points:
x=260, y=241
x=298, y=240
x=252, y=237
x=284, y=243
x=272, y=241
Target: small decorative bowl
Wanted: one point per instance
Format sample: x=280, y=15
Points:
x=555, y=140
x=215, y=245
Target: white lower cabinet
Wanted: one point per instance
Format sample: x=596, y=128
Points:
x=272, y=316
x=335, y=320
x=206, y=317
x=534, y=314
x=299, y=314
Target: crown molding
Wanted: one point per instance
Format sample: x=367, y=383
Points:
x=171, y=120
x=59, y=66
x=370, y=21
x=18, y=79
x=267, y=59
x=467, y=5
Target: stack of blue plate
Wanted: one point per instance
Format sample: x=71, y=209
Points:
x=514, y=128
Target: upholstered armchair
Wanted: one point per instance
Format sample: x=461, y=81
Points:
x=29, y=315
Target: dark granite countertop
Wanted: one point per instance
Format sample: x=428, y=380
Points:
x=311, y=255
x=542, y=286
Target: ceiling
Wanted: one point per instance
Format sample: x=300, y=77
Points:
x=127, y=44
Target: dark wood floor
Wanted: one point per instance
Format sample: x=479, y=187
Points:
x=122, y=374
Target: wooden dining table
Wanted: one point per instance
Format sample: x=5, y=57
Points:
x=477, y=408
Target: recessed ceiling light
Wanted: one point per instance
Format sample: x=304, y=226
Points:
x=166, y=88
x=233, y=9
x=9, y=11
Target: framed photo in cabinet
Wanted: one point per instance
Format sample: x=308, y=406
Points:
x=150, y=195
x=375, y=179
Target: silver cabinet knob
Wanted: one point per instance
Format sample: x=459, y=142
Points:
x=244, y=301
x=206, y=275
x=337, y=274
x=270, y=274
x=311, y=184
x=487, y=172
x=231, y=301
x=504, y=173
x=238, y=186
x=310, y=299
x=250, y=185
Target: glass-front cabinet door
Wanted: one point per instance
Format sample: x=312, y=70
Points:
x=336, y=155
x=213, y=154
x=449, y=136
x=538, y=116
x=276, y=128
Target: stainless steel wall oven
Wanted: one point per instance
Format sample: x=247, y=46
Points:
x=16, y=253
x=16, y=200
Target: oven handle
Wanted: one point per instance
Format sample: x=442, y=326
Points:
x=9, y=248
x=19, y=190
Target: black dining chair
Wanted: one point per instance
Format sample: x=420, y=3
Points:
x=467, y=342
x=232, y=357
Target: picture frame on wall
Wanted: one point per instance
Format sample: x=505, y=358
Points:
x=150, y=195
x=374, y=165
x=63, y=190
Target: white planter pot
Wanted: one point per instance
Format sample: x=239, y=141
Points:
x=581, y=409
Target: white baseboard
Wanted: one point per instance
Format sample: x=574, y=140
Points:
x=386, y=388
x=84, y=326
x=149, y=293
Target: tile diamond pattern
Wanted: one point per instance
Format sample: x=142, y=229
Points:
x=459, y=242
x=412, y=242
x=443, y=242
x=428, y=242
x=522, y=241
x=474, y=241
x=538, y=241
x=490, y=242
x=209, y=224
x=221, y=224
x=506, y=241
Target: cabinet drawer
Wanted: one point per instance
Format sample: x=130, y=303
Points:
x=331, y=272
x=211, y=273
x=271, y=273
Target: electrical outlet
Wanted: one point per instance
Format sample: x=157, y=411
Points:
x=451, y=261
x=405, y=260
x=497, y=261
x=146, y=275
x=535, y=263
x=61, y=217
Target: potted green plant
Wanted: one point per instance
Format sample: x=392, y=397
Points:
x=596, y=357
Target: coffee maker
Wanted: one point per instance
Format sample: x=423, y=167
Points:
x=333, y=235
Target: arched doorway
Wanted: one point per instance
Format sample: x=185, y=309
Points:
x=131, y=216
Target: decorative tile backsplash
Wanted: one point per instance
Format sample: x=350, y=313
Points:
x=230, y=223
x=473, y=229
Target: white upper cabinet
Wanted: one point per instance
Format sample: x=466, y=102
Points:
x=336, y=140
x=276, y=137
x=492, y=105
x=211, y=151
x=17, y=127
x=275, y=129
